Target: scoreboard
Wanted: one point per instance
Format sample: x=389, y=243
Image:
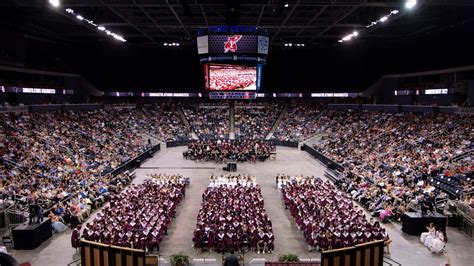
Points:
x=232, y=58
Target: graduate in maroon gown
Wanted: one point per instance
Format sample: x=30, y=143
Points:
x=75, y=237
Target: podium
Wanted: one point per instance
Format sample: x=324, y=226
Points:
x=231, y=166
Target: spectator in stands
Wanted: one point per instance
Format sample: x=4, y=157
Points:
x=54, y=155
x=255, y=121
x=396, y=158
x=209, y=123
x=300, y=122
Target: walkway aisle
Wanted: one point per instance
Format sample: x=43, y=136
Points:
x=288, y=238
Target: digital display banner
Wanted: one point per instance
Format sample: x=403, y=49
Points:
x=4, y=89
x=227, y=77
x=232, y=95
x=408, y=92
x=232, y=44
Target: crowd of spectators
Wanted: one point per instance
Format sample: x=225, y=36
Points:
x=139, y=216
x=161, y=121
x=391, y=161
x=300, y=122
x=47, y=157
x=209, y=122
x=255, y=122
x=327, y=217
x=232, y=217
x=223, y=150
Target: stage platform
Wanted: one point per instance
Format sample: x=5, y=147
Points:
x=30, y=236
x=414, y=223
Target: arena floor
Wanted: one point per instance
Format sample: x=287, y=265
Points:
x=405, y=249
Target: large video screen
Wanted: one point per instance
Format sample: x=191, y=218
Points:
x=228, y=77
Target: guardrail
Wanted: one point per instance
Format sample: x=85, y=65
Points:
x=134, y=163
x=325, y=160
x=170, y=144
x=291, y=144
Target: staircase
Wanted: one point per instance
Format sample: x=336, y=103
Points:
x=277, y=123
x=389, y=262
x=186, y=123
x=231, y=119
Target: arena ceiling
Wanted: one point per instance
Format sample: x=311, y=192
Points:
x=154, y=22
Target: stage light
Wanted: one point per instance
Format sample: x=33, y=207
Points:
x=302, y=44
x=383, y=19
x=355, y=33
x=165, y=44
x=177, y=44
x=287, y=5
x=347, y=38
x=290, y=44
x=410, y=4
x=101, y=28
x=79, y=17
x=54, y=3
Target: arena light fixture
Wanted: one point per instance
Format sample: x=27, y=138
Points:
x=171, y=44
x=383, y=19
x=410, y=4
x=83, y=19
x=54, y=3
x=349, y=36
x=287, y=5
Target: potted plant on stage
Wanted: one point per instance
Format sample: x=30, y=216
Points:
x=288, y=258
x=179, y=260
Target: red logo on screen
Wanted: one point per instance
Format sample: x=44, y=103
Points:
x=231, y=44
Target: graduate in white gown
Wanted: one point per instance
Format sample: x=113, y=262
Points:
x=439, y=242
x=431, y=231
x=429, y=239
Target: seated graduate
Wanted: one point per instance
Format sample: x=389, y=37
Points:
x=439, y=242
x=431, y=231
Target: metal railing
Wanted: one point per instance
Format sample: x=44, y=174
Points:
x=75, y=262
